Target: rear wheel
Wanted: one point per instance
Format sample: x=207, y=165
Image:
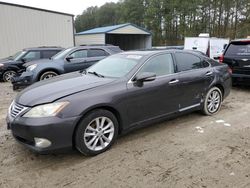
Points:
x=212, y=101
x=96, y=132
x=47, y=75
x=7, y=75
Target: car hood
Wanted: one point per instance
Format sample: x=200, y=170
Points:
x=6, y=61
x=37, y=62
x=58, y=87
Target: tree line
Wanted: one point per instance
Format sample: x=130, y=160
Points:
x=172, y=20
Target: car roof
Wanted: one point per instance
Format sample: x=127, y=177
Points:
x=44, y=48
x=241, y=40
x=152, y=52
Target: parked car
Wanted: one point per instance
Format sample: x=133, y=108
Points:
x=69, y=60
x=237, y=56
x=12, y=65
x=88, y=110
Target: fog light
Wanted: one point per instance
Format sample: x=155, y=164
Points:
x=42, y=142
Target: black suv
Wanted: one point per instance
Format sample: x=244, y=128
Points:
x=12, y=65
x=237, y=56
x=69, y=60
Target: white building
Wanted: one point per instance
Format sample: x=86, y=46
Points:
x=127, y=36
x=23, y=27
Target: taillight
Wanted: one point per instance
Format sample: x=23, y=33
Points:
x=221, y=59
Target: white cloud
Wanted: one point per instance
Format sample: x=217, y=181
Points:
x=72, y=7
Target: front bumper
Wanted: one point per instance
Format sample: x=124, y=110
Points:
x=24, y=80
x=243, y=79
x=59, y=131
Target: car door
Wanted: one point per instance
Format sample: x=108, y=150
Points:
x=195, y=76
x=155, y=98
x=76, y=60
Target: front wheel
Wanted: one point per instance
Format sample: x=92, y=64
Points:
x=96, y=132
x=212, y=101
x=8, y=75
x=47, y=75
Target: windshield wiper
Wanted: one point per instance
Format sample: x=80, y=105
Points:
x=83, y=71
x=96, y=74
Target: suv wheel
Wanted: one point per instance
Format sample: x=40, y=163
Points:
x=96, y=132
x=47, y=75
x=212, y=101
x=7, y=75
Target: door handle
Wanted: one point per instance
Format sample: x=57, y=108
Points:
x=209, y=73
x=173, y=81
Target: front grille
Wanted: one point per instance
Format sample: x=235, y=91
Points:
x=16, y=109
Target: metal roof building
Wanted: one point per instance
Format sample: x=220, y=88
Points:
x=23, y=27
x=127, y=36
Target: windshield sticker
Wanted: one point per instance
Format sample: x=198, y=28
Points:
x=134, y=57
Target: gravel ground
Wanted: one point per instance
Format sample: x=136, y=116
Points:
x=190, y=151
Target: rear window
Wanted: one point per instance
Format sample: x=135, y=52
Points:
x=238, y=49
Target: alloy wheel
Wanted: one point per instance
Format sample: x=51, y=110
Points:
x=99, y=133
x=8, y=75
x=214, y=101
x=48, y=75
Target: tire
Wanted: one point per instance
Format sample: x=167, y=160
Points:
x=47, y=75
x=213, y=100
x=7, y=75
x=91, y=139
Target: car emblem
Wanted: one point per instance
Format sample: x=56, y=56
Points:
x=244, y=59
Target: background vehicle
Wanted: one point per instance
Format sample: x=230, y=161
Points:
x=88, y=110
x=237, y=56
x=69, y=60
x=12, y=65
x=211, y=46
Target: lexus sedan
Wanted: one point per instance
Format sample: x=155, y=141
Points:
x=87, y=110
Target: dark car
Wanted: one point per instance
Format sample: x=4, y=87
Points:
x=88, y=110
x=237, y=56
x=12, y=65
x=69, y=60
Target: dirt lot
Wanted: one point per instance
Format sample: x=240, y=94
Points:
x=191, y=151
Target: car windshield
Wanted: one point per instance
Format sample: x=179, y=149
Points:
x=239, y=49
x=17, y=56
x=61, y=54
x=114, y=66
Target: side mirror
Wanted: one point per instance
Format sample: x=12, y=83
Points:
x=24, y=60
x=69, y=58
x=144, y=77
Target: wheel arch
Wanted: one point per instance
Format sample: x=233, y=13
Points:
x=103, y=107
x=46, y=70
x=220, y=86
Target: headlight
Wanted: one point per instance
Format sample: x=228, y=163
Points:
x=31, y=67
x=1, y=65
x=46, y=110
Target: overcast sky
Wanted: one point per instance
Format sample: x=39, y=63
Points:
x=73, y=7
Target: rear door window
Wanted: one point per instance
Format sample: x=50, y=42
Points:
x=97, y=53
x=49, y=53
x=186, y=61
x=238, y=49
